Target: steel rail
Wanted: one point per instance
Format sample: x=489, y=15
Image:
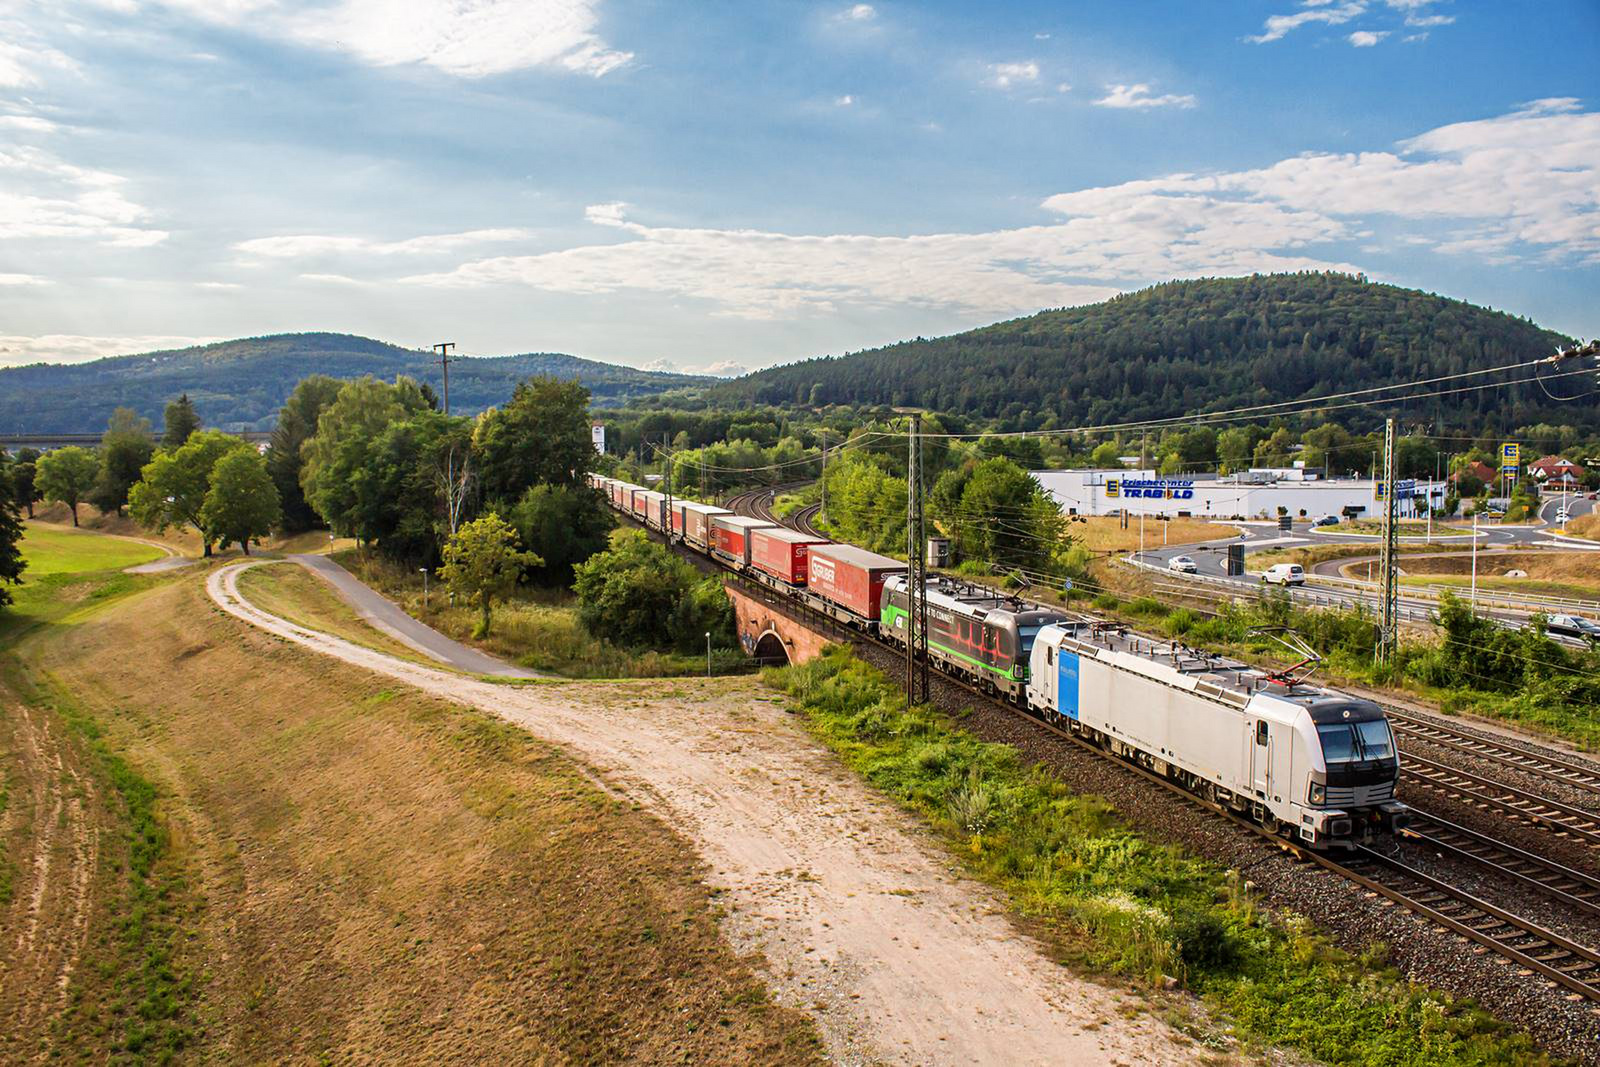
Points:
x=1518, y=803
x=1561, y=883
x=1499, y=752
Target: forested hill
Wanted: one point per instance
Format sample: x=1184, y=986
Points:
x=1190, y=346
x=239, y=385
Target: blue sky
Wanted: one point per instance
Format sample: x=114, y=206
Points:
x=715, y=186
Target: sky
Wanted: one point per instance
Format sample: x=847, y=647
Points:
x=721, y=186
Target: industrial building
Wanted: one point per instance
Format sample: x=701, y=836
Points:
x=1262, y=493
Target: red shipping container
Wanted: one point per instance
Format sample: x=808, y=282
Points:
x=850, y=577
x=782, y=552
x=733, y=535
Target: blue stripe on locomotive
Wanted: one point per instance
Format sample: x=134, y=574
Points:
x=1067, y=684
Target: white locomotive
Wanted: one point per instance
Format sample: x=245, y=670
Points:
x=1308, y=762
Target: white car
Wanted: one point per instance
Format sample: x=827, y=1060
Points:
x=1186, y=564
x=1285, y=574
x=1562, y=516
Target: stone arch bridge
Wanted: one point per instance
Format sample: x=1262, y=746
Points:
x=771, y=631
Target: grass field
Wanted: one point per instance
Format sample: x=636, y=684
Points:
x=301, y=864
x=1584, y=526
x=70, y=571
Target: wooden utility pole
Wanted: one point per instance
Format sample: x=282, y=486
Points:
x=445, y=359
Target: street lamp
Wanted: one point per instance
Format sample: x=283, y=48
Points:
x=424, y=571
x=708, y=653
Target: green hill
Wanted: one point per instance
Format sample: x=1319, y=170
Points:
x=239, y=385
x=1190, y=346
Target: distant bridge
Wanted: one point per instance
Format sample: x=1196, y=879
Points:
x=11, y=442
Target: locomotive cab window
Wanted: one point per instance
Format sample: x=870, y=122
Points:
x=1353, y=742
x=1261, y=732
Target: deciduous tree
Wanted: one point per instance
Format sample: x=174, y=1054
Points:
x=540, y=437
x=11, y=562
x=482, y=561
x=564, y=525
x=172, y=487
x=24, y=479
x=241, y=503
x=339, y=456
x=67, y=474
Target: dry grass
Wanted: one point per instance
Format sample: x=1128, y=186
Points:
x=1104, y=533
x=388, y=877
x=291, y=592
x=1584, y=526
x=182, y=540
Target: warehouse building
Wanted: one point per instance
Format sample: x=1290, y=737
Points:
x=1263, y=493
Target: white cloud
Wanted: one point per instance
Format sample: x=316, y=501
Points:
x=71, y=348
x=220, y=286
x=303, y=246
x=22, y=279
x=1138, y=96
x=858, y=13
x=1279, y=26
x=726, y=368
x=1524, y=185
x=1366, y=38
x=844, y=101
x=23, y=57
x=1429, y=20
x=29, y=123
x=43, y=196
x=466, y=38
x=1006, y=75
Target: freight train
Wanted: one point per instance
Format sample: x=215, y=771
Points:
x=1310, y=763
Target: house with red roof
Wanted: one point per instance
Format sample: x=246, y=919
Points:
x=1556, y=472
x=1479, y=470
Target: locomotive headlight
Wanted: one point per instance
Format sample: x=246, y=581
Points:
x=1319, y=793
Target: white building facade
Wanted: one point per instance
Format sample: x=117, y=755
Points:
x=1257, y=494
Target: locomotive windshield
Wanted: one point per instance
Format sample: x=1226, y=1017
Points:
x=1352, y=742
x=1025, y=636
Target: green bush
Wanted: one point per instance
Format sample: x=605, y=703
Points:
x=638, y=594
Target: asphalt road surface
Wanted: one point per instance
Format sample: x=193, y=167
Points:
x=385, y=615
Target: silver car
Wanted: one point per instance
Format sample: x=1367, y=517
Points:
x=1186, y=564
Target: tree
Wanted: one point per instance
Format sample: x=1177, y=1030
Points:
x=564, y=525
x=11, y=562
x=172, y=487
x=242, y=502
x=482, y=561
x=540, y=437
x=338, y=456
x=1105, y=454
x=125, y=448
x=628, y=594
x=24, y=475
x=297, y=423
x=67, y=474
x=179, y=422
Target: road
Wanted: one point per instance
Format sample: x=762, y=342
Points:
x=1210, y=557
x=383, y=614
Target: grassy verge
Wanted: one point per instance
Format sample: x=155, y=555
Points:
x=290, y=592
x=537, y=628
x=1126, y=906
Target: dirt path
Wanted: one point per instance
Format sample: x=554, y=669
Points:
x=862, y=919
x=52, y=836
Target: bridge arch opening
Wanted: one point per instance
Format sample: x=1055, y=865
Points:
x=770, y=651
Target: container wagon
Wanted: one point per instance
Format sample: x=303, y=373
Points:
x=848, y=582
x=652, y=508
x=695, y=525
x=731, y=537
x=782, y=552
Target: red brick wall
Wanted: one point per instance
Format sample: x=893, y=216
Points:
x=755, y=618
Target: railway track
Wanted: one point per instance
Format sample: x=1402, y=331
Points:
x=1575, y=889
x=1548, y=814
x=1536, y=950
x=1497, y=751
